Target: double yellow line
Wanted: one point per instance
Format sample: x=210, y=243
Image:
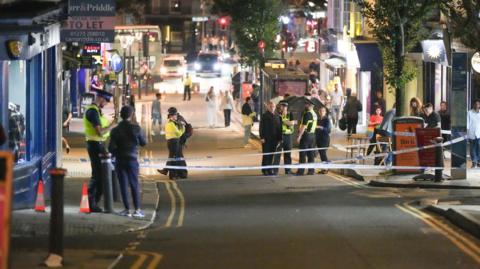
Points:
x=347, y=181
x=464, y=242
x=142, y=258
x=174, y=192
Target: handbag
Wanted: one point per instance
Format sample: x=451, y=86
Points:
x=342, y=124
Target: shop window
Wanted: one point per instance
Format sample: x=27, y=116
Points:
x=17, y=110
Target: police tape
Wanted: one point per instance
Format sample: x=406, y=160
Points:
x=403, y=151
x=148, y=160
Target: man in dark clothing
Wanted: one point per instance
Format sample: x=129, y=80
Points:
x=124, y=142
x=270, y=136
x=432, y=118
x=350, y=112
x=445, y=120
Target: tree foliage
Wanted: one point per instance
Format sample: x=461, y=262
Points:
x=465, y=20
x=252, y=21
x=398, y=27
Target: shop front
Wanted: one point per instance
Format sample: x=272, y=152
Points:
x=30, y=94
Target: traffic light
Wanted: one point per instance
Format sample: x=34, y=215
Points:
x=223, y=21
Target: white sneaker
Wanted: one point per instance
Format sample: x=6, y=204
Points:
x=138, y=214
x=125, y=213
x=152, y=133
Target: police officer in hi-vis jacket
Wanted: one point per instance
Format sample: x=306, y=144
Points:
x=287, y=131
x=306, y=136
x=97, y=131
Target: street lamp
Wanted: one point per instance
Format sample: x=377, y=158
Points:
x=126, y=41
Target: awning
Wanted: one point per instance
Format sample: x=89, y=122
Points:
x=335, y=62
x=369, y=56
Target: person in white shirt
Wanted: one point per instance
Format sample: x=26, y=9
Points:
x=337, y=104
x=473, y=127
x=227, y=104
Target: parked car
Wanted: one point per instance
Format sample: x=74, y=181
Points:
x=208, y=64
x=173, y=66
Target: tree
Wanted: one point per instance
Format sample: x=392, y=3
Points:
x=464, y=19
x=398, y=27
x=252, y=21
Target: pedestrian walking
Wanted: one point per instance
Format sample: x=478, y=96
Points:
x=270, y=136
x=173, y=132
x=306, y=136
x=288, y=124
x=473, y=127
x=247, y=120
x=212, y=107
x=337, y=104
x=187, y=87
x=227, y=104
x=125, y=140
x=350, y=112
x=445, y=120
x=66, y=119
x=156, y=113
x=432, y=118
x=416, y=107
x=322, y=135
x=97, y=130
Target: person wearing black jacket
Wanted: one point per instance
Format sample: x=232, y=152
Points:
x=270, y=136
x=350, y=112
x=124, y=142
x=322, y=135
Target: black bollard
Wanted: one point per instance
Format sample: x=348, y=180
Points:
x=107, y=182
x=439, y=159
x=55, y=257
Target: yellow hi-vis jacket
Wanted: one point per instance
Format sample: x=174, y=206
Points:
x=172, y=130
x=90, y=132
x=310, y=125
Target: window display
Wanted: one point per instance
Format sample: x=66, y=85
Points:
x=17, y=97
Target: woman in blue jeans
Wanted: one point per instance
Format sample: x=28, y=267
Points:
x=322, y=135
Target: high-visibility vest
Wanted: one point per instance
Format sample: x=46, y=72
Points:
x=285, y=128
x=90, y=132
x=310, y=125
x=172, y=131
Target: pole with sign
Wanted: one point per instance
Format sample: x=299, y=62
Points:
x=6, y=178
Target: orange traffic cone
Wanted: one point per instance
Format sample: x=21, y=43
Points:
x=40, y=201
x=84, y=206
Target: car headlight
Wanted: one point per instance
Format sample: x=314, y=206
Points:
x=163, y=70
x=217, y=66
x=197, y=66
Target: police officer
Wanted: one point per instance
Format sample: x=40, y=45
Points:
x=173, y=131
x=124, y=142
x=97, y=131
x=306, y=136
x=287, y=130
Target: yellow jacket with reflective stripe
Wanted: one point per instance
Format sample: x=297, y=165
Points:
x=172, y=131
x=311, y=125
x=285, y=128
x=90, y=132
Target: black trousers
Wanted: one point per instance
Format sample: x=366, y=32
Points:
x=323, y=142
x=286, y=145
x=352, y=125
x=187, y=91
x=173, y=150
x=307, y=142
x=95, y=187
x=268, y=147
x=226, y=115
